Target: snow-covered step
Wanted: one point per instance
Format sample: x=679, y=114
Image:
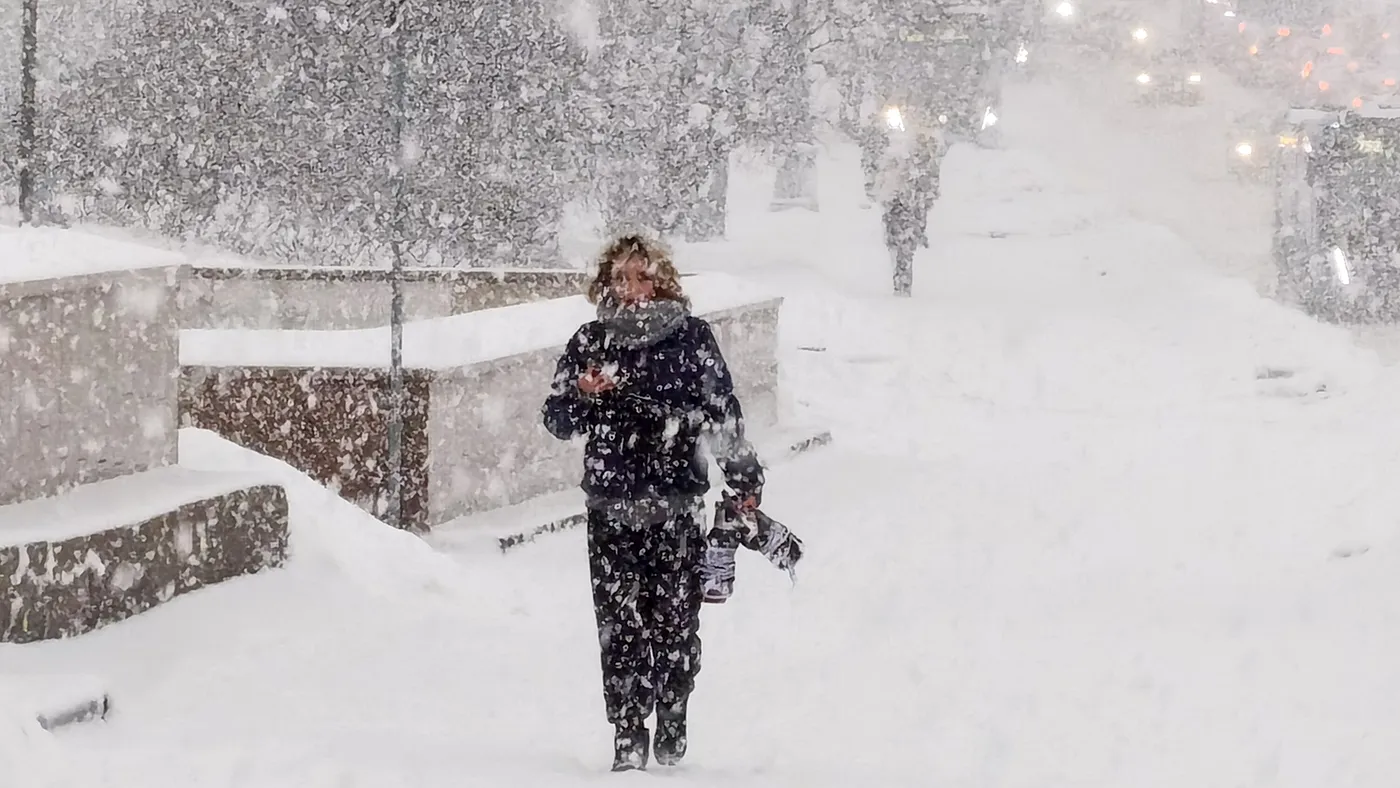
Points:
x=106, y=551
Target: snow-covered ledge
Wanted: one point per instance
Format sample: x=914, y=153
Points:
x=97, y=522
x=103, y=552
x=473, y=438
x=325, y=298
x=88, y=360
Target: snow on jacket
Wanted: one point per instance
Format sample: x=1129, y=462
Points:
x=644, y=436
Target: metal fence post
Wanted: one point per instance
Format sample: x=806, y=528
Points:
x=399, y=173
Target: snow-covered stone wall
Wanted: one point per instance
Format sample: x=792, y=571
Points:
x=88, y=378
x=97, y=522
x=488, y=445
x=351, y=298
x=329, y=422
x=107, y=551
x=473, y=440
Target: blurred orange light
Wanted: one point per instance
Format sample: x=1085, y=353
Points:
x=1307, y=69
x=1253, y=50
x=1326, y=30
x=1389, y=82
x=1357, y=102
x=1242, y=26
x=1336, y=51
x=1324, y=85
x=1284, y=32
x=1353, y=66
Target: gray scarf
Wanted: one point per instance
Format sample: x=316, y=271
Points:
x=634, y=326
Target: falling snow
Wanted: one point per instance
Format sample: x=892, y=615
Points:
x=1083, y=311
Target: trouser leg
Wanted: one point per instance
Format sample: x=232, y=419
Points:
x=616, y=564
x=671, y=601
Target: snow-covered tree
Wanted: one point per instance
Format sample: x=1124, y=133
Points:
x=676, y=85
x=267, y=129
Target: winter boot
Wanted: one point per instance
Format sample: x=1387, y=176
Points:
x=670, y=743
x=630, y=747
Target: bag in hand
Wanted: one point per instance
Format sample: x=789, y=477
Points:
x=756, y=531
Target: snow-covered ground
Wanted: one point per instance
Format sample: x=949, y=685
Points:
x=1095, y=516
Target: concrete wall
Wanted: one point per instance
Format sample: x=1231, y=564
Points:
x=73, y=584
x=330, y=424
x=352, y=298
x=748, y=337
x=473, y=439
x=89, y=371
x=488, y=447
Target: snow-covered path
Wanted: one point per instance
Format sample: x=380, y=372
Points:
x=1166, y=165
x=1094, y=517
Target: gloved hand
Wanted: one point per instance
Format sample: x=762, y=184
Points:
x=779, y=545
x=748, y=503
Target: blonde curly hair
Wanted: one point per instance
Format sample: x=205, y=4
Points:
x=662, y=271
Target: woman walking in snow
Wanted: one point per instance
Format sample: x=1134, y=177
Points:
x=646, y=383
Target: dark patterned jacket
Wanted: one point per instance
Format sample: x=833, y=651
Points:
x=644, y=437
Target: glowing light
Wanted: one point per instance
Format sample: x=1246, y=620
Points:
x=1339, y=264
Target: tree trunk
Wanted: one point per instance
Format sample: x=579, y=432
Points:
x=795, y=186
x=28, y=108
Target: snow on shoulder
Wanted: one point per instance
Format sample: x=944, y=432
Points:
x=39, y=253
x=445, y=342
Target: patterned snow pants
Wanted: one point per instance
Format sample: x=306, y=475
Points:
x=646, y=597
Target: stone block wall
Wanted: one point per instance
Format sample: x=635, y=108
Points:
x=473, y=435
x=331, y=424
x=488, y=445
x=73, y=584
x=89, y=369
x=350, y=298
